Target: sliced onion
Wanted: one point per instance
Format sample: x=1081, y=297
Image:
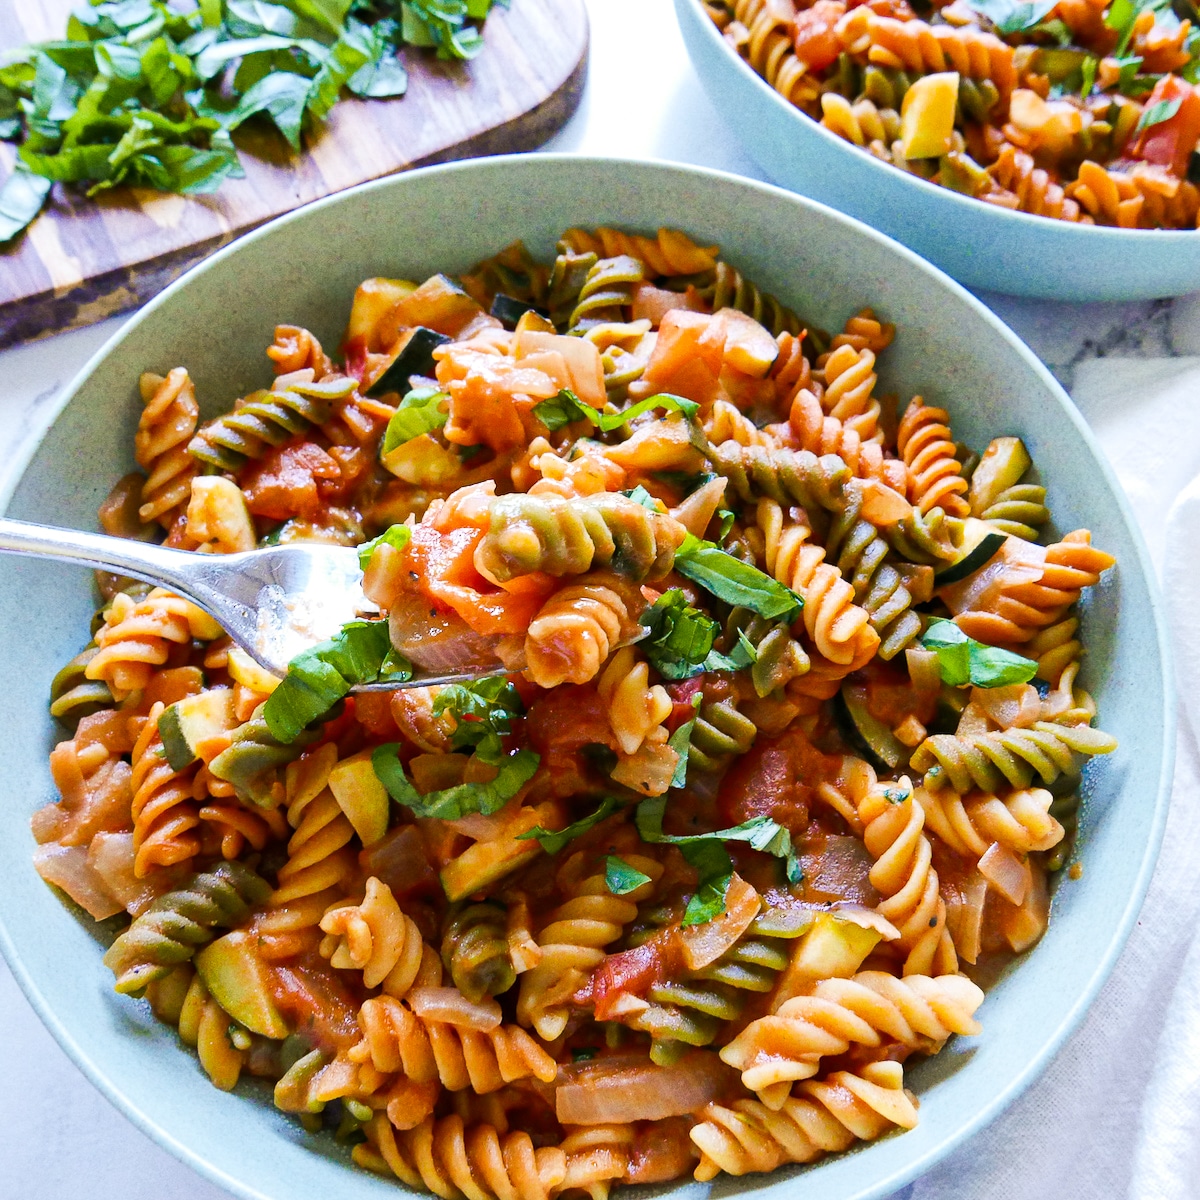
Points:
x=400, y=860
x=867, y=918
x=438, y=641
x=110, y=855
x=1019, y=561
x=1015, y=706
x=67, y=867
x=449, y=1006
x=703, y=944
x=964, y=916
x=1010, y=876
x=616, y=1090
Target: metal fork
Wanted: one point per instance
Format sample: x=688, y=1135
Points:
x=272, y=602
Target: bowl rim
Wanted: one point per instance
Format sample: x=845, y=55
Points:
x=1037, y=1064
x=1006, y=219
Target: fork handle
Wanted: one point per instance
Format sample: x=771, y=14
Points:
x=154, y=564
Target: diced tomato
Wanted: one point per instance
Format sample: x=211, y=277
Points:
x=560, y=723
x=653, y=303
x=813, y=37
x=283, y=483
x=629, y=973
x=316, y=1003
x=678, y=364
x=1170, y=143
x=777, y=778
x=445, y=567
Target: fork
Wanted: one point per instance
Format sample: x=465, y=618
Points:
x=273, y=602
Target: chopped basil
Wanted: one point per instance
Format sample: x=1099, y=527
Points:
x=584, y=1054
x=681, y=742
x=706, y=852
x=639, y=495
x=1012, y=16
x=963, y=660
x=566, y=407
x=449, y=804
x=1087, y=72
x=1122, y=16
x=620, y=878
x=734, y=581
x=1156, y=114
x=554, y=840
x=420, y=412
x=483, y=712
x=319, y=677
x=21, y=200
x=681, y=638
x=397, y=536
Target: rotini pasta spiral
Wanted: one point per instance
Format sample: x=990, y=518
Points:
x=572, y=943
x=607, y=292
x=165, y=427
x=769, y=48
x=179, y=922
x=731, y=289
x=574, y=633
x=568, y=537
x=204, y=1024
x=297, y=349
x=721, y=731
x=893, y=832
x=466, y=1046
x=670, y=253
x=927, y=447
x=828, y=1116
x=1019, y=820
x=1015, y=756
x=376, y=938
x=872, y=1009
x=475, y=949
x=139, y=635
x=165, y=817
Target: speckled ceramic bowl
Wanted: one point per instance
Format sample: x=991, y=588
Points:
x=303, y=269
x=979, y=244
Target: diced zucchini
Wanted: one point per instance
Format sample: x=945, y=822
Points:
x=361, y=796
x=1002, y=466
x=833, y=949
x=439, y=304
x=981, y=543
x=415, y=357
x=871, y=734
x=373, y=300
x=237, y=979
x=423, y=461
x=485, y=862
x=191, y=723
x=244, y=670
x=927, y=116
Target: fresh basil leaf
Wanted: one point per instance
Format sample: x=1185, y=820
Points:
x=708, y=901
x=396, y=536
x=963, y=660
x=639, y=495
x=562, y=409
x=744, y=654
x=681, y=742
x=1012, y=16
x=214, y=58
x=384, y=75
x=450, y=804
x=1088, y=76
x=620, y=878
x=483, y=713
x=554, y=840
x=352, y=51
x=1156, y=114
x=319, y=677
x=759, y=833
x=21, y=200
x=666, y=401
x=681, y=637
x=734, y=581
x=330, y=14
x=194, y=172
x=566, y=407
x=422, y=411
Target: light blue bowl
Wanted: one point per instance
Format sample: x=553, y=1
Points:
x=979, y=244
x=303, y=269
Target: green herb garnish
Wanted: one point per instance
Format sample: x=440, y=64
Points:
x=397, y=536
x=483, y=712
x=554, y=840
x=422, y=411
x=1156, y=114
x=963, y=660
x=681, y=640
x=449, y=804
x=1012, y=16
x=566, y=407
x=319, y=677
x=734, y=581
x=620, y=878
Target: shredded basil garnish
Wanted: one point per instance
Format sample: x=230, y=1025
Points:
x=554, y=840
x=734, y=581
x=620, y=878
x=963, y=660
x=397, y=536
x=566, y=407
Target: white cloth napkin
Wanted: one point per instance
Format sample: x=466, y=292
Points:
x=1118, y=1112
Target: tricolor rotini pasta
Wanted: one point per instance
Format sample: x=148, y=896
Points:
x=769, y=737
x=1078, y=111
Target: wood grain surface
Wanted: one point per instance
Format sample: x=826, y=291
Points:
x=83, y=260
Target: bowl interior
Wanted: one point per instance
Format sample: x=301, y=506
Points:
x=303, y=270
x=979, y=244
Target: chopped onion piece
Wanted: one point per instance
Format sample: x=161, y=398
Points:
x=867, y=918
x=703, y=944
x=1010, y=876
x=67, y=867
x=616, y=1090
x=1015, y=706
x=450, y=1006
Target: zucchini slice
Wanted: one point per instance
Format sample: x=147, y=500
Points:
x=982, y=544
x=188, y=723
x=508, y=310
x=414, y=358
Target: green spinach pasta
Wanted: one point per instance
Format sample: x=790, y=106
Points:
x=1079, y=110
x=771, y=747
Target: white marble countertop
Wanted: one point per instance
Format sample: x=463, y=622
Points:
x=58, y=1137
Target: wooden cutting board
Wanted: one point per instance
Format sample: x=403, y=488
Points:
x=84, y=260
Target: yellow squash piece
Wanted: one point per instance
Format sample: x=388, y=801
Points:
x=361, y=796
x=927, y=116
x=485, y=862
